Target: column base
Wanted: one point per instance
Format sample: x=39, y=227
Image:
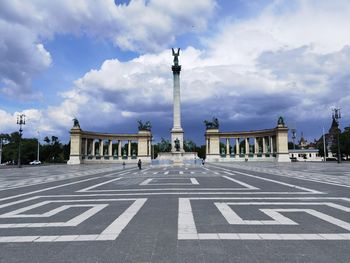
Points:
x=283, y=158
x=74, y=160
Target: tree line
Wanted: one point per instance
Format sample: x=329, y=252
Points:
x=344, y=144
x=51, y=151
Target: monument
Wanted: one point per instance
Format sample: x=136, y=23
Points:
x=177, y=154
x=177, y=133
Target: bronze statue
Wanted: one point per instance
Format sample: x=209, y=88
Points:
x=280, y=121
x=177, y=144
x=214, y=124
x=76, y=123
x=144, y=127
x=176, y=56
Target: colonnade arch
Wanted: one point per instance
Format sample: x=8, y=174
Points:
x=259, y=145
x=93, y=147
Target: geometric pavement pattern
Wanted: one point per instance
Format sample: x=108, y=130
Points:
x=213, y=203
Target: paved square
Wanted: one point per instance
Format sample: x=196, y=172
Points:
x=219, y=212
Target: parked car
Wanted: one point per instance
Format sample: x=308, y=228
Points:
x=35, y=162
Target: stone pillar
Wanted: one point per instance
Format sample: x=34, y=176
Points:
x=247, y=146
x=101, y=146
x=256, y=146
x=237, y=147
x=213, y=145
x=86, y=147
x=227, y=147
x=93, y=153
x=144, y=146
x=119, y=148
x=129, y=148
x=75, y=146
x=110, y=147
x=264, y=145
x=282, y=154
x=271, y=144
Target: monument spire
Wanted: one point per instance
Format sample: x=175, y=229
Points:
x=177, y=131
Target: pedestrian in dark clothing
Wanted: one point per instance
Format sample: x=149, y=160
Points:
x=139, y=163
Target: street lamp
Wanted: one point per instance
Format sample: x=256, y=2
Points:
x=294, y=136
x=0, y=150
x=337, y=116
x=20, y=121
x=38, y=147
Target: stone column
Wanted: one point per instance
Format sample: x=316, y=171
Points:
x=110, y=148
x=256, y=146
x=176, y=131
x=264, y=144
x=271, y=144
x=129, y=149
x=247, y=146
x=237, y=147
x=93, y=148
x=119, y=149
x=227, y=147
x=101, y=147
x=86, y=147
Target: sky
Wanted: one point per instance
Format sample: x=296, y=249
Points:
x=108, y=63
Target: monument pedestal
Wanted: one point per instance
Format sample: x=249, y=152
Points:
x=178, y=158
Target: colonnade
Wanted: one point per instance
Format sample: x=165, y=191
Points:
x=269, y=144
x=242, y=147
x=100, y=147
x=111, y=148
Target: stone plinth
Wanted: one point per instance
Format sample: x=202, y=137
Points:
x=177, y=157
x=75, y=146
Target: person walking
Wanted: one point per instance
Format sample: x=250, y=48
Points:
x=123, y=165
x=139, y=163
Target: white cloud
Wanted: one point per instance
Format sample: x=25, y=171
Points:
x=278, y=63
x=140, y=26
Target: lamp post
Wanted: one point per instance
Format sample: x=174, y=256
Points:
x=0, y=150
x=337, y=116
x=293, y=136
x=324, y=145
x=38, y=154
x=20, y=121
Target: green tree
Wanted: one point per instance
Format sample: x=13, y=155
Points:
x=321, y=149
x=189, y=146
x=164, y=145
x=52, y=150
